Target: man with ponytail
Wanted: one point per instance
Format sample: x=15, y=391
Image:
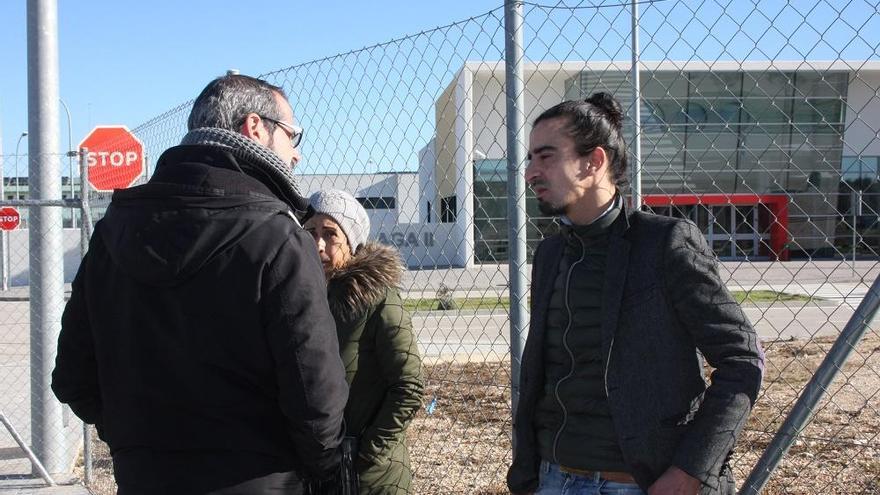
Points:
x=626, y=306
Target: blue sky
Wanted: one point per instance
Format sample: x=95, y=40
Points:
x=126, y=62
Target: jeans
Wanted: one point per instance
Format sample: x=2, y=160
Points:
x=552, y=481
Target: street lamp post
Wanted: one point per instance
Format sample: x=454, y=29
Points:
x=17, y=185
x=70, y=154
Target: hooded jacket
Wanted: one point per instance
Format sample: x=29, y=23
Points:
x=382, y=365
x=198, y=329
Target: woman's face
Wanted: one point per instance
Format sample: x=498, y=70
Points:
x=331, y=240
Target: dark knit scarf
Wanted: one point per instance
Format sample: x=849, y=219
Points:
x=269, y=168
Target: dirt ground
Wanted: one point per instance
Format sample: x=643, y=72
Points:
x=463, y=445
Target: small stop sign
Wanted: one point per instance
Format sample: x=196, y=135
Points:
x=9, y=218
x=116, y=157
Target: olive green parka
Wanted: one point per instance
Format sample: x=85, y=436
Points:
x=382, y=365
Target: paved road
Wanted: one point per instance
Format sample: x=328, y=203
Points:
x=484, y=335
x=493, y=279
x=15, y=391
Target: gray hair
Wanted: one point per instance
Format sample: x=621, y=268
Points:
x=226, y=101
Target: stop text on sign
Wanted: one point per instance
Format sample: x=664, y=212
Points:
x=10, y=218
x=113, y=158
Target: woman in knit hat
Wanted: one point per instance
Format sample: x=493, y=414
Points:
x=382, y=363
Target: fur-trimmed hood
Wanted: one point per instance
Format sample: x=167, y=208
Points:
x=355, y=288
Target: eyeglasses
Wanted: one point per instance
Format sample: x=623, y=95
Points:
x=294, y=132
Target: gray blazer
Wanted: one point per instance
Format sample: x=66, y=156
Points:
x=663, y=302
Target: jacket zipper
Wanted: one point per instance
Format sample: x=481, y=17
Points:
x=608, y=361
x=568, y=350
x=608, y=365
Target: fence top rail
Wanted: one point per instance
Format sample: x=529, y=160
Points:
x=62, y=203
x=853, y=65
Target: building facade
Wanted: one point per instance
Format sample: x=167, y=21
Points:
x=721, y=143
x=772, y=160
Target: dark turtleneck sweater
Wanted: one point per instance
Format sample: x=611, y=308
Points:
x=573, y=419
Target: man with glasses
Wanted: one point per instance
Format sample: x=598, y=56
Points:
x=198, y=337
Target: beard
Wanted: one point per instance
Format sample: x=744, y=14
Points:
x=550, y=209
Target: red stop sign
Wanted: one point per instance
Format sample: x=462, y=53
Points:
x=116, y=157
x=9, y=218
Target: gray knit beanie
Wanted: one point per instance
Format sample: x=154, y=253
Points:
x=346, y=211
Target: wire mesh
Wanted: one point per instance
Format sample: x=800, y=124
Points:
x=26, y=358
x=759, y=122
x=373, y=121
x=756, y=125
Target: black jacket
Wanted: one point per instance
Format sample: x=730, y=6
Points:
x=198, y=330
x=663, y=302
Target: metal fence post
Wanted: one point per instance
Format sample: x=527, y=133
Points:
x=45, y=239
x=516, y=189
x=636, y=113
x=805, y=407
x=85, y=221
x=85, y=226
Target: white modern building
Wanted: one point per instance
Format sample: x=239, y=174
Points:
x=770, y=159
x=724, y=140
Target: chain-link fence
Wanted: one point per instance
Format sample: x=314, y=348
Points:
x=758, y=121
x=34, y=423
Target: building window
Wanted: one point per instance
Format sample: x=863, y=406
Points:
x=751, y=132
x=859, y=196
x=490, y=214
x=854, y=169
x=429, y=212
x=378, y=202
x=447, y=209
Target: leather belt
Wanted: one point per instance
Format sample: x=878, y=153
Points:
x=613, y=476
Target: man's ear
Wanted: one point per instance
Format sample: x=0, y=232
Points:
x=598, y=159
x=253, y=128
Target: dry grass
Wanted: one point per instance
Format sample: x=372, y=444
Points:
x=463, y=447
x=839, y=451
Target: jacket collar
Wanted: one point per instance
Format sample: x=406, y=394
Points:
x=624, y=219
x=353, y=289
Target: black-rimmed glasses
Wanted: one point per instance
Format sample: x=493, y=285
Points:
x=293, y=131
